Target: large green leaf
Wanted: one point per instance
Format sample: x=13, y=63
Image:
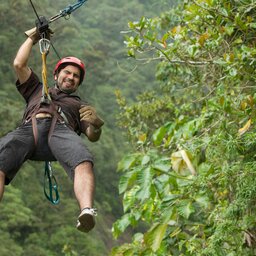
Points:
x=153, y=238
x=158, y=135
x=127, y=180
x=144, y=179
x=185, y=208
x=127, y=162
x=130, y=198
x=162, y=185
x=120, y=225
x=162, y=166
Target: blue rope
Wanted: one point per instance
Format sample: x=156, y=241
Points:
x=68, y=10
x=52, y=185
x=72, y=7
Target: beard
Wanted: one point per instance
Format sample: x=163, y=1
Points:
x=67, y=90
x=63, y=89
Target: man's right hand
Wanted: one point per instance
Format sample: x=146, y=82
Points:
x=33, y=35
x=42, y=26
x=41, y=30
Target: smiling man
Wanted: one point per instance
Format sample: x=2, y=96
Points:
x=50, y=130
x=68, y=78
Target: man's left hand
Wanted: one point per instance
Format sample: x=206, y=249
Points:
x=88, y=114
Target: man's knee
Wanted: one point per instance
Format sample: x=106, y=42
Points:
x=84, y=165
x=84, y=168
x=2, y=181
x=2, y=175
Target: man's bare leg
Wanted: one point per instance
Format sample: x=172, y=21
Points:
x=84, y=192
x=2, y=181
x=84, y=185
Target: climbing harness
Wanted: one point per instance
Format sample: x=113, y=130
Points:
x=42, y=24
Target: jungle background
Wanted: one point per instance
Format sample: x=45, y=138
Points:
x=175, y=167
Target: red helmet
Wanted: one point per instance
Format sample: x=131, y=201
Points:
x=72, y=61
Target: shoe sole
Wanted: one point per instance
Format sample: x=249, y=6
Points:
x=87, y=223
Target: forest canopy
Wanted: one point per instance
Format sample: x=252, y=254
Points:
x=175, y=168
x=189, y=181
x=29, y=223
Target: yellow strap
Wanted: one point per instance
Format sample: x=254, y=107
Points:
x=44, y=74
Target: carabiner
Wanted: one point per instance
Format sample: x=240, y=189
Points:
x=44, y=45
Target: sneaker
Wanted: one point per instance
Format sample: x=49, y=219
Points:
x=85, y=221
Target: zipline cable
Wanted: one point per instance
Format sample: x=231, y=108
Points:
x=56, y=52
x=34, y=10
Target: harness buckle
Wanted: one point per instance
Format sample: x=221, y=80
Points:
x=46, y=99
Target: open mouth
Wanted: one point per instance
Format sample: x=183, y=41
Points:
x=68, y=83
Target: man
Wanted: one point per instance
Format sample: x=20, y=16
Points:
x=50, y=130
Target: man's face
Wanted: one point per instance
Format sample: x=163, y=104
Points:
x=68, y=79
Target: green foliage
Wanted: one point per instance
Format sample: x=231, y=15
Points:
x=93, y=34
x=190, y=178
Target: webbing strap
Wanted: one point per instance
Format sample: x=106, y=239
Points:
x=44, y=73
x=44, y=45
x=51, y=192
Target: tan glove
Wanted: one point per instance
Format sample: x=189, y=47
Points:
x=35, y=36
x=88, y=114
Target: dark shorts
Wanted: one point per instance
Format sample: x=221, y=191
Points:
x=65, y=146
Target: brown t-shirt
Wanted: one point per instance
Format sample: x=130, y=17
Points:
x=69, y=104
